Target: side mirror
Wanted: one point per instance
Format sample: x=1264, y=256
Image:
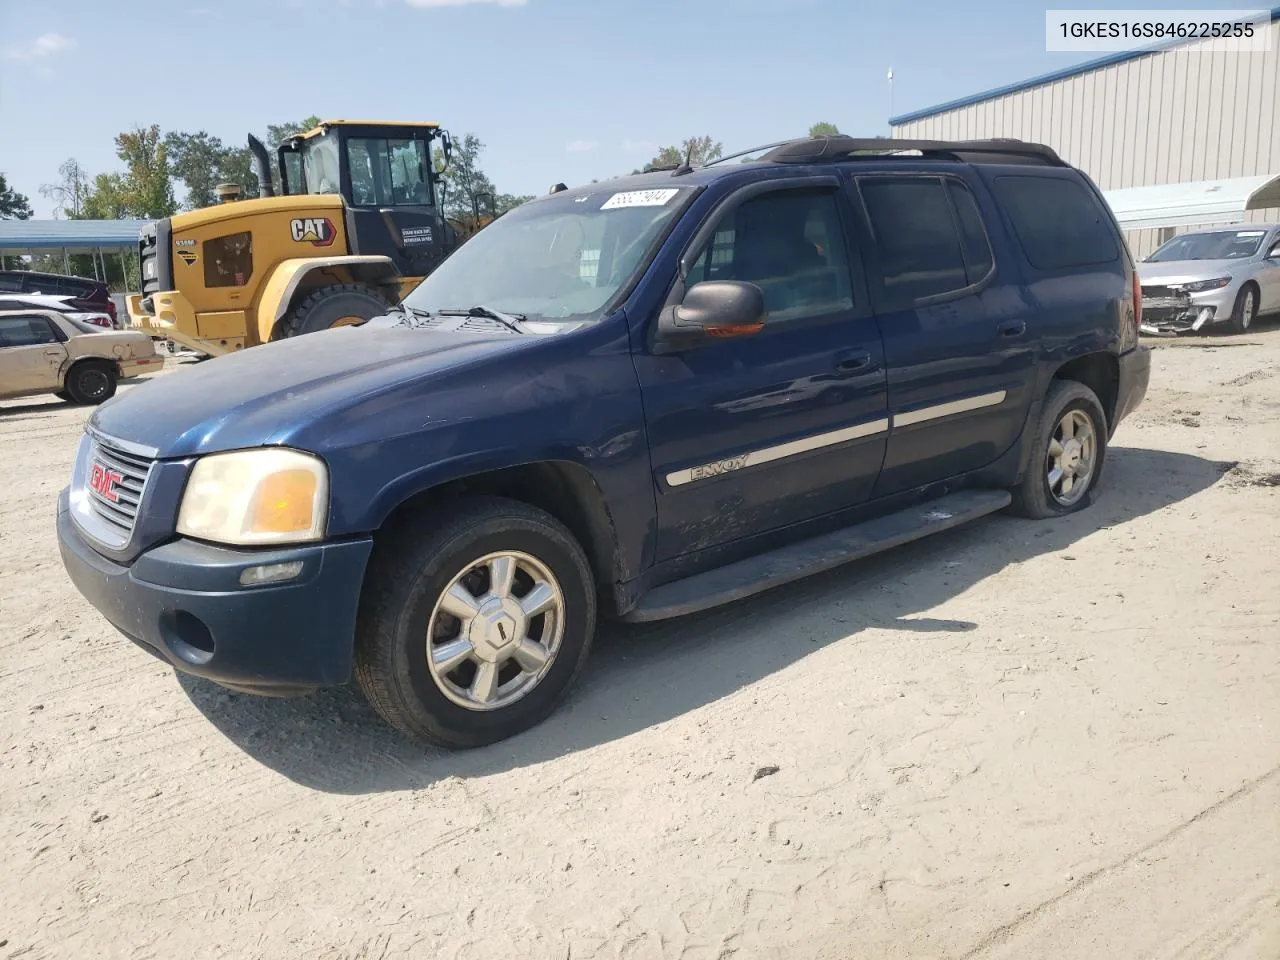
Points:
x=713, y=310
x=1274, y=253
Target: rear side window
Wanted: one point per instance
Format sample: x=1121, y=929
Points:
x=917, y=237
x=10, y=283
x=1058, y=222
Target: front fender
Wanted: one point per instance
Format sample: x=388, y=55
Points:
x=287, y=278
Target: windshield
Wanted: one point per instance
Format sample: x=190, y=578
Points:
x=561, y=258
x=320, y=164
x=1224, y=245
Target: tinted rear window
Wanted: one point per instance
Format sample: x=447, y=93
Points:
x=1058, y=222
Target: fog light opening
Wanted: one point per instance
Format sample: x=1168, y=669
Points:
x=270, y=573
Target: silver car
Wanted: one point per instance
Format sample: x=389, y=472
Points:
x=1211, y=277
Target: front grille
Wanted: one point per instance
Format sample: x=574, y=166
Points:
x=128, y=473
x=1161, y=293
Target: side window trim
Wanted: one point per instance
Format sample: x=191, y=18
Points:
x=982, y=223
x=875, y=272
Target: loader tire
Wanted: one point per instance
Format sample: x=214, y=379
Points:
x=337, y=305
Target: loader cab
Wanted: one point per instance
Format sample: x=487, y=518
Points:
x=388, y=174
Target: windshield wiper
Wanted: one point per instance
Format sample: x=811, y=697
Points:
x=509, y=320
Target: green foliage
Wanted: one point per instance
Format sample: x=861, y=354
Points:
x=824, y=129
x=196, y=159
x=697, y=150
x=13, y=205
x=146, y=189
x=464, y=181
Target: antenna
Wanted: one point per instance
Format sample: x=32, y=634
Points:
x=687, y=165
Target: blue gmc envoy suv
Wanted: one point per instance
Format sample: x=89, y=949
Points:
x=637, y=399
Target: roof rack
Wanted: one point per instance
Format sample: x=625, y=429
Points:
x=831, y=149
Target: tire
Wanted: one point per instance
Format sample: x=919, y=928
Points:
x=1034, y=497
x=91, y=382
x=341, y=304
x=409, y=573
x=1245, y=310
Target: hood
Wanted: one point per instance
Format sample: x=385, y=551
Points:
x=267, y=393
x=1188, y=271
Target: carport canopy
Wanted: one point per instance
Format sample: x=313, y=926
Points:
x=95, y=237
x=1193, y=203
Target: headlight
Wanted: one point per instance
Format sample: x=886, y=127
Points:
x=1200, y=286
x=254, y=497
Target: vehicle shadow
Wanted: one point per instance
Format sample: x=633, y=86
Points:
x=641, y=675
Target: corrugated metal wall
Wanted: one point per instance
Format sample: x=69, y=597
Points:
x=1169, y=117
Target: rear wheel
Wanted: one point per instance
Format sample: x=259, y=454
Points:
x=337, y=305
x=474, y=622
x=91, y=382
x=1067, y=456
x=1246, y=309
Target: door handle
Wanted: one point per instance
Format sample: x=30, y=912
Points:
x=853, y=361
x=53, y=353
x=1013, y=328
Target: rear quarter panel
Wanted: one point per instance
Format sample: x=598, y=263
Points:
x=1074, y=310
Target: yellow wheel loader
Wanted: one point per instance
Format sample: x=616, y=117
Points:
x=358, y=225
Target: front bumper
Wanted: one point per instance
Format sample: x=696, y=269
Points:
x=1187, y=312
x=171, y=317
x=1135, y=377
x=183, y=602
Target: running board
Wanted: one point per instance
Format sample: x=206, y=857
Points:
x=799, y=560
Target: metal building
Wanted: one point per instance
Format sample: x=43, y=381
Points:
x=1176, y=115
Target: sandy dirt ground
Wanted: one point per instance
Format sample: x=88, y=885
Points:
x=1017, y=740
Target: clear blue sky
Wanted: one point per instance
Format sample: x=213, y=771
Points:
x=557, y=89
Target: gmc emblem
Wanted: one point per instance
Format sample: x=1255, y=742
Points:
x=103, y=480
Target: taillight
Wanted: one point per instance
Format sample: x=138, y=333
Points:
x=1137, y=300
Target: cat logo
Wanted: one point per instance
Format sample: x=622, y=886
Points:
x=188, y=257
x=317, y=231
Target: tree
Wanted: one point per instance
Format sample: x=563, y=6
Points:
x=71, y=191
x=236, y=166
x=196, y=159
x=277, y=133
x=464, y=180
x=13, y=205
x=107, y=199
x=148, y=191
x=509, y=201
x=697, y=150
x=824, y=129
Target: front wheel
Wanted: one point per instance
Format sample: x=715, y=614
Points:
x=474, y=623
x=1246, y=309
x=1067, y=453
x=337, y=305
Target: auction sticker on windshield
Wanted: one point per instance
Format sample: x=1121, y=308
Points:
x=640, y=198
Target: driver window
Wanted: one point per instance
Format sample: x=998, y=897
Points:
x=791, y=245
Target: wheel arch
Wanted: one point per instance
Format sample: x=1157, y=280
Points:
x=563, y=488
x=1100, y=372
x=292, y=280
